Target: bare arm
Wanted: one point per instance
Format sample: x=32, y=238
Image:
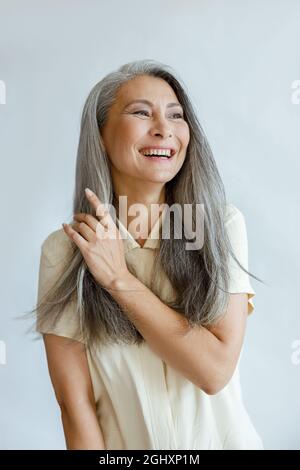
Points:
x=206, y=356
x=70, y=377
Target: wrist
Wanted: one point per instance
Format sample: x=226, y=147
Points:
x=121, y=282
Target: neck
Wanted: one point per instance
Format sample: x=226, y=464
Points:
x=144, y=196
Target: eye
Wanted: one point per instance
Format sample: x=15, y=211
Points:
x=141, y=111
x=179, y=115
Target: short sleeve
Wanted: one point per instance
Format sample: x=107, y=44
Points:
x=54, y=252
x=239, y=280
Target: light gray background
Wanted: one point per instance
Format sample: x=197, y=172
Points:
x=239, y=60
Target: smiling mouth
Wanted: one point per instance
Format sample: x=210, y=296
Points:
x=159, y=157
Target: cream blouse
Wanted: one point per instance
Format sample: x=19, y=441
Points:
x=142, y=402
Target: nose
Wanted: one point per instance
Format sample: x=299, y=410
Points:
x=161, y=127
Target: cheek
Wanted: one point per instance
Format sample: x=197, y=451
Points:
x=184, y=135
x=123, y=141
x=131, y=130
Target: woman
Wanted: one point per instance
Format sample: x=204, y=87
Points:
x=143, y=335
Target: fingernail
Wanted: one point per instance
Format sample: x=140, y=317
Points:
x=88, y=192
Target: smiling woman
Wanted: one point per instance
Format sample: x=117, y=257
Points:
x=139, y=311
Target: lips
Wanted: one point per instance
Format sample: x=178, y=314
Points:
x=158, y=159
x=143, y=149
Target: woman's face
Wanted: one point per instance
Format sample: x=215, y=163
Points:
x=134, y=126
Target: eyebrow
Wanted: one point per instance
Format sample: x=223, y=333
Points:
x=169, y=105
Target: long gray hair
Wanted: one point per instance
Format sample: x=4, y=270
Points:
x=200, y=277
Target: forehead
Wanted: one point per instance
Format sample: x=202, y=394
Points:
x=153, y=89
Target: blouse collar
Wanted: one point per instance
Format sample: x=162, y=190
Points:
x=152, y=241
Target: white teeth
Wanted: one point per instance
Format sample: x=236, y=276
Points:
x=163, y=152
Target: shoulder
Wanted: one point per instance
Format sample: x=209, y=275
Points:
x=233, y=213
x=56, y=245
x=235, y=226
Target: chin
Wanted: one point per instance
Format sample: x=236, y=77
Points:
x=158, y=179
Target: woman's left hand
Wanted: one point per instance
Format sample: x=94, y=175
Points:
x=100, y=243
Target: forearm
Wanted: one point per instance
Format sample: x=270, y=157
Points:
x=195, y=352
x=81, y=428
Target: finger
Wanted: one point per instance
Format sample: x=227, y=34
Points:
x=84, y=230
x=89, y=220
x=76, y=237
x=105, y=221
x=106, y=231
x=101, y=211
x=94, y=201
